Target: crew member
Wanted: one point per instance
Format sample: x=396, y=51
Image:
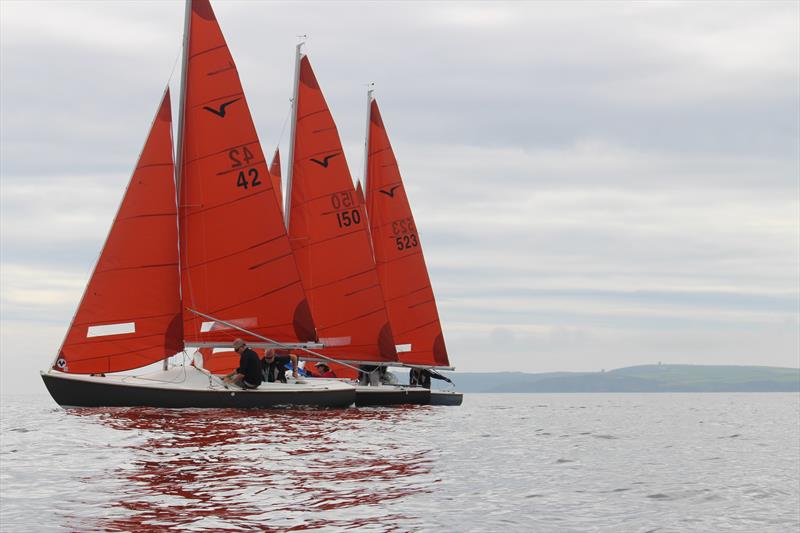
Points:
x=275, y=365
x=248, y=375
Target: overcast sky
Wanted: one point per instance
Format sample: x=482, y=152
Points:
x=596, y=185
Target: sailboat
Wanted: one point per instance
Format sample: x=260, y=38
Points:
x=330, y=237
x=216, y=266
x=400, y=263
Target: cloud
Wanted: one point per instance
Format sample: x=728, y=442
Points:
x=595, y=184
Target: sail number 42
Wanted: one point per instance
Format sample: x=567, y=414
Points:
x=243, y=158
x=241, y=181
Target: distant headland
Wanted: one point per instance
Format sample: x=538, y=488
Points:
x=645, y=378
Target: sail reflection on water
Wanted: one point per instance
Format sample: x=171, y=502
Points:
x=229, y=469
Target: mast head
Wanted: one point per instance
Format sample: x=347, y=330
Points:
x=300, y=44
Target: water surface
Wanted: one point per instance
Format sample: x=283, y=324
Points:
x=527, y=462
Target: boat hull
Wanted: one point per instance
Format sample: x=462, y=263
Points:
x=69, y=391
x=439, y=397
x=391, y=395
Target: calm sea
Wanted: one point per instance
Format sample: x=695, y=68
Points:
x=528, y=462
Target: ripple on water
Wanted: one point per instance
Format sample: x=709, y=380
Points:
x=478, y=467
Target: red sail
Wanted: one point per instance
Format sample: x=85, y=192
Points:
x=330, y=238
x=130, y=313
x=236, y=262
x=275, y=172
x=360, y=194
x=398, y=254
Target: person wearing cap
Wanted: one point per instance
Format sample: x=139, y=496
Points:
x=248, y=375
x=275, y=365
x=324, y=371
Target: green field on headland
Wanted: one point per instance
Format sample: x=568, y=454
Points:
x=645, y=378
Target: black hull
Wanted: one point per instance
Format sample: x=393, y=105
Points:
x=375, y=396
x=446, y=398
x=75, y=393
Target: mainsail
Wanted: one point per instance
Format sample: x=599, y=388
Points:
x=329, y=234
x=236, y=261
x=398, y=254
x=130, y=313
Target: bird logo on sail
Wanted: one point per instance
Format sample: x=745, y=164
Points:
x=324, y=162
x=390, y=192
x=221, y=111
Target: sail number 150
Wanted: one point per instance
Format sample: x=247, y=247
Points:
x=347, y=211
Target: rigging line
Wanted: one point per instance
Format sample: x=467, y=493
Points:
x=211, y=376
x=173, y=151
x=281, y=344
x=283, y=128
x=177, y=58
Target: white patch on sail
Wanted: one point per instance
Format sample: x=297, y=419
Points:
x=402, y=347
x=335, y=341
x=212, y=325
x=111, y=329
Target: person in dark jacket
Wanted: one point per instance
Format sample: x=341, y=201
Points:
x=275, y=366
x=421, y=377
x=248, y=375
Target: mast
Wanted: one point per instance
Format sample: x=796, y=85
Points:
x=184, y=67
x=366, y=167
x=366, y=141
x=290, y=165
x=179, y=146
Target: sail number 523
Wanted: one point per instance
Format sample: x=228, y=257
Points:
x=405, y=233
x=406, y=241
